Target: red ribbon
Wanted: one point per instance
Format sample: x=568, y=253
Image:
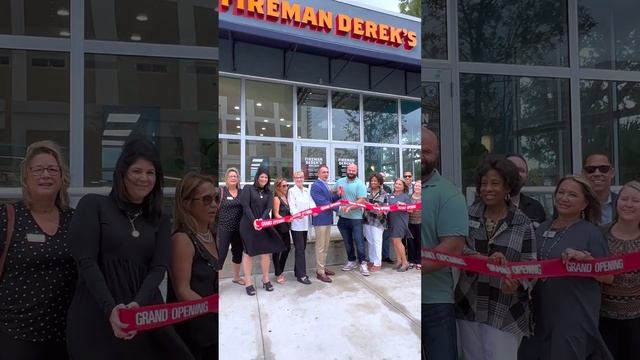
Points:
x=156, y=316
x=611, y=265
x=264, y=223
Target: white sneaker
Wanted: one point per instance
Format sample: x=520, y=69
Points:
x=363, y=269
x=350, y=265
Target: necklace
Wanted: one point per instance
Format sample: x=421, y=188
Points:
x=206, y=238
x=132, y=218
x=553, y=235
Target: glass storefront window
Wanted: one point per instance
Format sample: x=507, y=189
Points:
x=434, y=29
x=342, y=158
x=32, y=17
x=380, y=117
x=229, y=156
x=311, y=157
x=526, y=32
x=410, y=122
x=313, y=114
x=345, y=116
x=269, y=109
x=153, y=21
x=382, y=159
x=229, y=106
x=276, y=157
x=611, y=120
x=430, y=106
x=609, y=36
x=411, y=162
x=34, y=106
x=524, y=115
x=122, y=101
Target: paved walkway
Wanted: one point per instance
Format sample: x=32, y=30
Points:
x=355, y=317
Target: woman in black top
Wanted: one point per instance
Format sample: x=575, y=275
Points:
x=257, y=202
x=229, y=224
x=281, y=209
x=39, y=273
x=121, y=245
x=194, y=258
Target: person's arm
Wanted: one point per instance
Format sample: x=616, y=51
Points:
x=265, y=213
x=159, y=264
x=276, y=205
x=449, y=245
x=452, y=229
x=181, y=263
x=317, y=196
x=245, y=201
x=292, y=198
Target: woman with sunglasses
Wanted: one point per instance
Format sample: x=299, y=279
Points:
x=398, y=223
x=280, y=210
x=300, y=199
x=121, y=245
x=194, y=260
x=257, y=202
x=228, y=224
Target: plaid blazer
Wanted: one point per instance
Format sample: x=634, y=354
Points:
x=478, y=297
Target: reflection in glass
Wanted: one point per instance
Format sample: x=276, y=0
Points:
x=434, y=29
x=122, y=101
x=229, y=152
x=35, y=17
x=611, y=120
x=345, y=116
x=525, y=32
x=609, y=35
x=342, y=158
x=276, y=157
x=528, y=116
x=269, y=109
x=34, y=105
x=229, y=106
x=313, y=114
x=382, y=159
x=380, y=117
x=430, y=106
x=311, y=158
x=410, y=121
x=153, y=21
x=411, y=162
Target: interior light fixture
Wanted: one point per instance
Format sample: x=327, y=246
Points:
x=62, y=12
x=266, y=120
x=136, y=37
x=64, y=32
x=258, y=104
x=237, y=107
x=142, y=17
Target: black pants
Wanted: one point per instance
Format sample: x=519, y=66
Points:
x=300, y=243
x=622, y=337
x=280, y=259
x=12, y=349
x=413, y=245
x=226, y=238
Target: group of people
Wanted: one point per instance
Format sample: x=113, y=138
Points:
x=256, y=202
x=65, y=274
x=484, y=317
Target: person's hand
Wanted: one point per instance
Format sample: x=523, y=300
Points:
x=340, y=191
x=131, y=334
x=118, y=326
x=509, y=286
x=498, y=258
x=256, y=226
x=570, y=254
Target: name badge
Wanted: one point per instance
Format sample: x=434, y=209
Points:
x=474, y=224
x=229, y=197
x=536, y=224
x=36, y=238
x=549, y=234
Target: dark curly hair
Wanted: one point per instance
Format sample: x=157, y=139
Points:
x=507, y=170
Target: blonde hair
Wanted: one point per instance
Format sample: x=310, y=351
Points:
x=226, y=176
x=298, y=173
x=53, y=149
x=634, y=185
x=183, y=220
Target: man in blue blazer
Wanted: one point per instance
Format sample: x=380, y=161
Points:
x=322, y=194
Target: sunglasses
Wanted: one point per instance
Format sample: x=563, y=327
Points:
x=206, y=200
x=602, y=168
x=284, y=185
x=408, y=176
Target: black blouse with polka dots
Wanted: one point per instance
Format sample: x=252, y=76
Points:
x=39, y=279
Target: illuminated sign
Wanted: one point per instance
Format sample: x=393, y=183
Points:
x=319, y=20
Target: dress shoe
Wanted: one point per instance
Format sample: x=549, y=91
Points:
x=323, y=278
x=305, y=280
x=328, y=272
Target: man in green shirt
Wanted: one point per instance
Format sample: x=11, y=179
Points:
x=444, y=228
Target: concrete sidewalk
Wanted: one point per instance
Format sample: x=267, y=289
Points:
x=355, y=317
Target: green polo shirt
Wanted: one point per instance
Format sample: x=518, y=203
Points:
x=353, y=190
x=444, y=213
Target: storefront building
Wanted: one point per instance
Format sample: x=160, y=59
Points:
x=311, y=82
x=552, y=80
x=91, y=74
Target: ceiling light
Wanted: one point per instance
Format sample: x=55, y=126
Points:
x=266, y=120
x=237, y=126
x=264, y=128
x=281, y=119
x=237, y=118
x=136, y=37
x=142, y=17
x=238, y=133
x=64, y=33
x=261, y=134
x=289, y=125
x=63, y=12
x=237, y=107
x=258, y=104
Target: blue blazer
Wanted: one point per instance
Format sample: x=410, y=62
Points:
x=322, y=196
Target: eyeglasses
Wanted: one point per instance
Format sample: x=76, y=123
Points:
x=206, y=200
x=408, y=176
x=590, y=169
x=283, y=185
x=39, y=171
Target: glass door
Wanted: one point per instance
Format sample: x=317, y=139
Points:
x=342, y=156
x=310, y=157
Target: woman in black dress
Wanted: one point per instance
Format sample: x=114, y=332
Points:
x=39, y=274
x=228, y=225
x=257, y=201
x=281, y=209
x=120, y=243
x=398, y=223
x=194, y=260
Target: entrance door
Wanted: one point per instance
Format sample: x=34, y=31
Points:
x=342, y=156
x=311, y=156
x=437, y=114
